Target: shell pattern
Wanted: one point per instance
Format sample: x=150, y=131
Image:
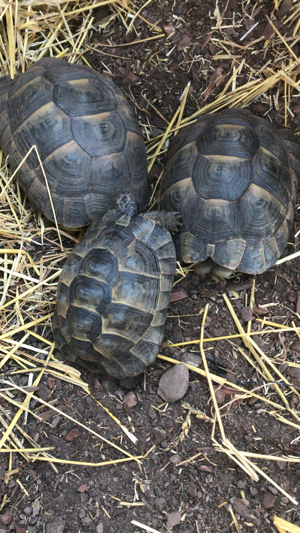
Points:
x=113, y=295
x=87, y=136
x=233, y=177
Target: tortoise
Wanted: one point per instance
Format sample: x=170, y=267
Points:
x=114, y=291
x=233, y=177
x=87, y=136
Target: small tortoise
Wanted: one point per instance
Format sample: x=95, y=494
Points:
x=233, y=177
x=88, y=138
x=114, y=291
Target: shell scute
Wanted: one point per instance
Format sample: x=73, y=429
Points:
x=237, y=204
x=87, y=136
x=114, y=293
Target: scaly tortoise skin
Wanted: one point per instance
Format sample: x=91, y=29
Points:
x=87, y=136
x=233, y=177
x=114, y=291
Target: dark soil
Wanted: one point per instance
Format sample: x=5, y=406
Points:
x=209, y=490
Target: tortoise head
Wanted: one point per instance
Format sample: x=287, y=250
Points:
x=126, y=203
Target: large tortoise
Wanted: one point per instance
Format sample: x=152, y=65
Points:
x=88, y=138
x=114, y=291
x=233, y=176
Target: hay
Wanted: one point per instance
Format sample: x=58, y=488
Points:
x=33, y=251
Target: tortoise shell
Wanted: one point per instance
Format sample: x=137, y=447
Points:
x=113, y=294
x=233, y=177
x=87, y=136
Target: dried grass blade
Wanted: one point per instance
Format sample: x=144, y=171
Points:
x=283, y=39
x=132, y=437
x=32, y=289
x=165, y=135
x=222, y=381
x=263, y=355
x=250, y=347
x=144, y=527
x=285, y=527
x=66, y=416
x=287, y=258
x=207, y=374
x=25, y=327
x=82, y=463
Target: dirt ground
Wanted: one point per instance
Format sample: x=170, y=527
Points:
x=169, y=490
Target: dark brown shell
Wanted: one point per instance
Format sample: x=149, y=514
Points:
x=113, y=295
x=87, y=136
x=233, y=177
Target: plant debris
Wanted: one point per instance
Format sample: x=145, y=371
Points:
x=226, y=457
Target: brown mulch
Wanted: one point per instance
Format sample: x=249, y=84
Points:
x=203, y=43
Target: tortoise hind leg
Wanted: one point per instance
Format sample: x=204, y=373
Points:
x=210, y=267
x=130, y=382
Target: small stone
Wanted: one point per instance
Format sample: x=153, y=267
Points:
x=174, y=383
x=46, y=415
x=51, y=382
x=269, y=500
x=86, y=521
x=281, y=465
x=220, y=396
x=230, y=377
x=36, y=508
x=160, y=503
x=296, y=346
x=130, y=400
x=191, y=359
x=99, y=528
x=151, y=413
x=44, y=393
x=82, y=488
x=72, y=434
x=7, y=517
x=178, y=293
x=176, y=333
x=18, y=529
x=206, y=468
x=169, y=29
x=252, y=400
x=173, y=519
x=175, y=459
x=241, y=484
x=192, y=489
x=81, y=407
x=55, y=420
x=28, y=510
x=240, y=506
x=253, y=491
x=57, y=525
x=246, y=314
x=294, y=372
x=273, y=489
x=81, y=514
x=184, y=41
